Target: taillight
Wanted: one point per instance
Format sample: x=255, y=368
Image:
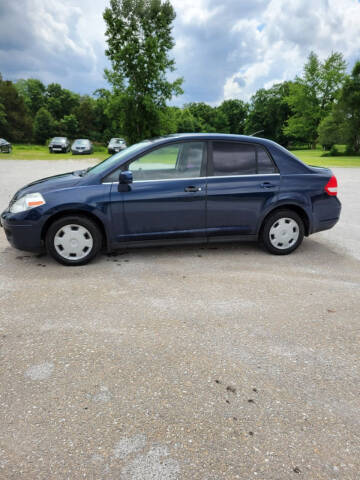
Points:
x=331, y=186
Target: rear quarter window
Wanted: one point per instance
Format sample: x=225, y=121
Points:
x=265, y=164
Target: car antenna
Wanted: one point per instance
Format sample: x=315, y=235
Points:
x=255, y=133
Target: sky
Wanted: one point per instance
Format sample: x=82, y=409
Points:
x=223, y=50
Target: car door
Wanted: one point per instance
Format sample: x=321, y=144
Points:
x=167, y=197
x=242, y=180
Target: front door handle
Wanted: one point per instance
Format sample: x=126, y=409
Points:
x=192, y=188
x=267, y=185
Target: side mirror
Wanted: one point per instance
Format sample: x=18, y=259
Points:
x=125, y=177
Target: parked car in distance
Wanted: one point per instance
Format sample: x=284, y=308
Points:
x=59, y=144
x=116, y=145
x=81, y=146
x=5, y=146
x=185, y=188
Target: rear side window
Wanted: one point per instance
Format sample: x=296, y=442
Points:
x=230, y=158
x=264, y=162
x=233, y=159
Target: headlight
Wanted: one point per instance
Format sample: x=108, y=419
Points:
x=31, y=200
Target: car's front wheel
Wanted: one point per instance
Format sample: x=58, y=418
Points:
x=73, y=240
x=282, y=232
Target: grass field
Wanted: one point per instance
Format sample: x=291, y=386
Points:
x=313, y=157
x=39, y=152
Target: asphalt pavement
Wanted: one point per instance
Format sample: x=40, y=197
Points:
x=182, y=363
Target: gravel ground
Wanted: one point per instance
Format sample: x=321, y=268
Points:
x=182, y=363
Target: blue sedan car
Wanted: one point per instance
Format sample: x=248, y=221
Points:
x=186, y=188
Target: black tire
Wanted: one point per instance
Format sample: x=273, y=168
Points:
x=50, y=150
x=71, y=221
x=293, y=232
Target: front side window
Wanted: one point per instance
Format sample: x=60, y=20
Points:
x=233, y=159
x=181, y=160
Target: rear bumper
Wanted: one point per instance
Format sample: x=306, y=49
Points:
x=21, y=235
x=326, y=213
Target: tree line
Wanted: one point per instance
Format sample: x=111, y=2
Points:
x=320, y=105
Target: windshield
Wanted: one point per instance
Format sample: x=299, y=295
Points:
x=81, y=142
x=116, y=140
x=115, y=159
x=58, y=139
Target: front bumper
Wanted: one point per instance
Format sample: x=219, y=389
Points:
x=58, y=148
x=20, y=233
x=80, y=152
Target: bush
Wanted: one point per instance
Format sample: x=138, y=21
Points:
x=349, y=150
x=334, y=152
x=98, y=147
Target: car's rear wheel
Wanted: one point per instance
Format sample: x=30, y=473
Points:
x=282, y=232
x=73, y=240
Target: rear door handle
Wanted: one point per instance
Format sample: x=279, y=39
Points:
x=192, y=188
x=267, y=185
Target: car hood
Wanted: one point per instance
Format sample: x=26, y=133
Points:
x=65, y=180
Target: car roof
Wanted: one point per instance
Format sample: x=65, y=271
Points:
x=213, y=136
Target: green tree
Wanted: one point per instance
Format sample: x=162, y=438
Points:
x=16, y=122
x=187, y=122
x=202, y=115
x=85, y=115
x=311, y=96
x=168, y=120
x=139, y=40
x=3, y=121
x=235, y=112
x=68, y=126
x=268, y=112
x=329, y=132
x=106, y=126
x=43, y=125
x=347, y=111
x=33, y=93
x=60, y=101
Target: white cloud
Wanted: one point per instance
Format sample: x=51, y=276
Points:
x=290, y=30
x=223, y=50
x=195, y=11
